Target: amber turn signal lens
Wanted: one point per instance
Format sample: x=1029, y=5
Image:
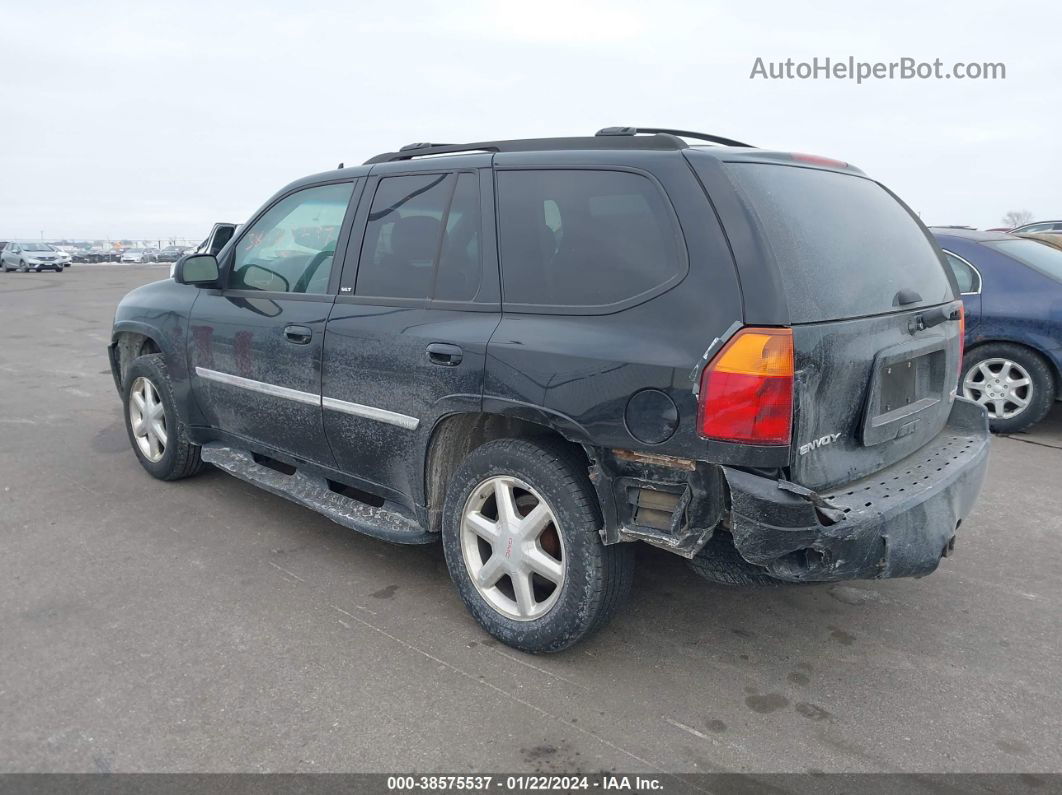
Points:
x=766, y=351
x=747, y=389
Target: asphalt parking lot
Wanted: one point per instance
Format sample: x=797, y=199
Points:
x=208, y=626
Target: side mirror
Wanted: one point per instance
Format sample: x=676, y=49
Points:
x=200, y=270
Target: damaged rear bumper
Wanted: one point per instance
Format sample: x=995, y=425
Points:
x=898, y=523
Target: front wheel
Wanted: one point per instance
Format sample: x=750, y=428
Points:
x=1014, y=384
x=157, y=432
x=520, y=535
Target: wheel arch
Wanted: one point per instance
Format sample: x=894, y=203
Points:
x=128, y=341
x=454, y=436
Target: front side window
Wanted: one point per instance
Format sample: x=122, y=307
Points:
x=583, y=238
x=290, y=249
x=966, y=276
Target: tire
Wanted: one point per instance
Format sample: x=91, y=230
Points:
x=720, y=562
x=179, y=458
x=22, y=267
x=595, y=579
x=1003, y=359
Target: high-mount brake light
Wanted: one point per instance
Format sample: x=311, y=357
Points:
x=746, y=391
x=818, y=160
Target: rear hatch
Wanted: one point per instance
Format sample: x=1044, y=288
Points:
x=875, y=324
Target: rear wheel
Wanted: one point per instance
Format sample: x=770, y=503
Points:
x=1014, y=384
x=520, y=535
x=157, y=432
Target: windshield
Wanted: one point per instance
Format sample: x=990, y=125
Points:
x=1038, y=256
x=36, y=247
x=844, y=245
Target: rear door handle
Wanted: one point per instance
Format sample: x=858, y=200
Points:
x=444, y=354
x=300, y=335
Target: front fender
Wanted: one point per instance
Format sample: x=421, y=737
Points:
x=159, y=311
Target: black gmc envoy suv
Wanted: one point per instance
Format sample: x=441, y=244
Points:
x=544, y=350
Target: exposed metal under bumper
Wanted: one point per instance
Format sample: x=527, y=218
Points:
x=314, y=493
x=897, y=523
x=673, y=504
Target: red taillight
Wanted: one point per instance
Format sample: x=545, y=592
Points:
x=747, y=389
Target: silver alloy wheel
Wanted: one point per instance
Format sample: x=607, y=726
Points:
x=148, y=419
x=513, y=548
x=1002, y=386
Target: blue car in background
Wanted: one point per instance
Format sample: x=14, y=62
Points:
x=1012, y=289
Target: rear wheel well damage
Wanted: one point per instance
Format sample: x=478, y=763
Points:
x=669, y=502
x=457, y=435
x=673, y=503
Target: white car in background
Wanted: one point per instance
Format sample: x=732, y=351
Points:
x=132, y=255
x=64, y=256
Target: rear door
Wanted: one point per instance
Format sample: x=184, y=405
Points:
x=255, y=345
x=418, y=301
x=873, y=312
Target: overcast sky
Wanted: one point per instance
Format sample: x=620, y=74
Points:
x=153, y=120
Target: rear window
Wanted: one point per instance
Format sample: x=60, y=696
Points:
x=575, y=239
x=1039, y=256
x=845, y=247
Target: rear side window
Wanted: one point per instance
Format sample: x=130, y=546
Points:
x=402, y=238
x=460, y=267
x=845, y=247
x=584, y=238
x=965, y=275
x=422, y=239
x=1034, y=253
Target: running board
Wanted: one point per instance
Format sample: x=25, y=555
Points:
x=313, y=492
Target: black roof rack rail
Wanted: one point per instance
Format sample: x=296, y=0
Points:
x=715, y=139
x=663, y=141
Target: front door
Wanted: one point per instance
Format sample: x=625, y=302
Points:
x=407, y=337
x=255, y=346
